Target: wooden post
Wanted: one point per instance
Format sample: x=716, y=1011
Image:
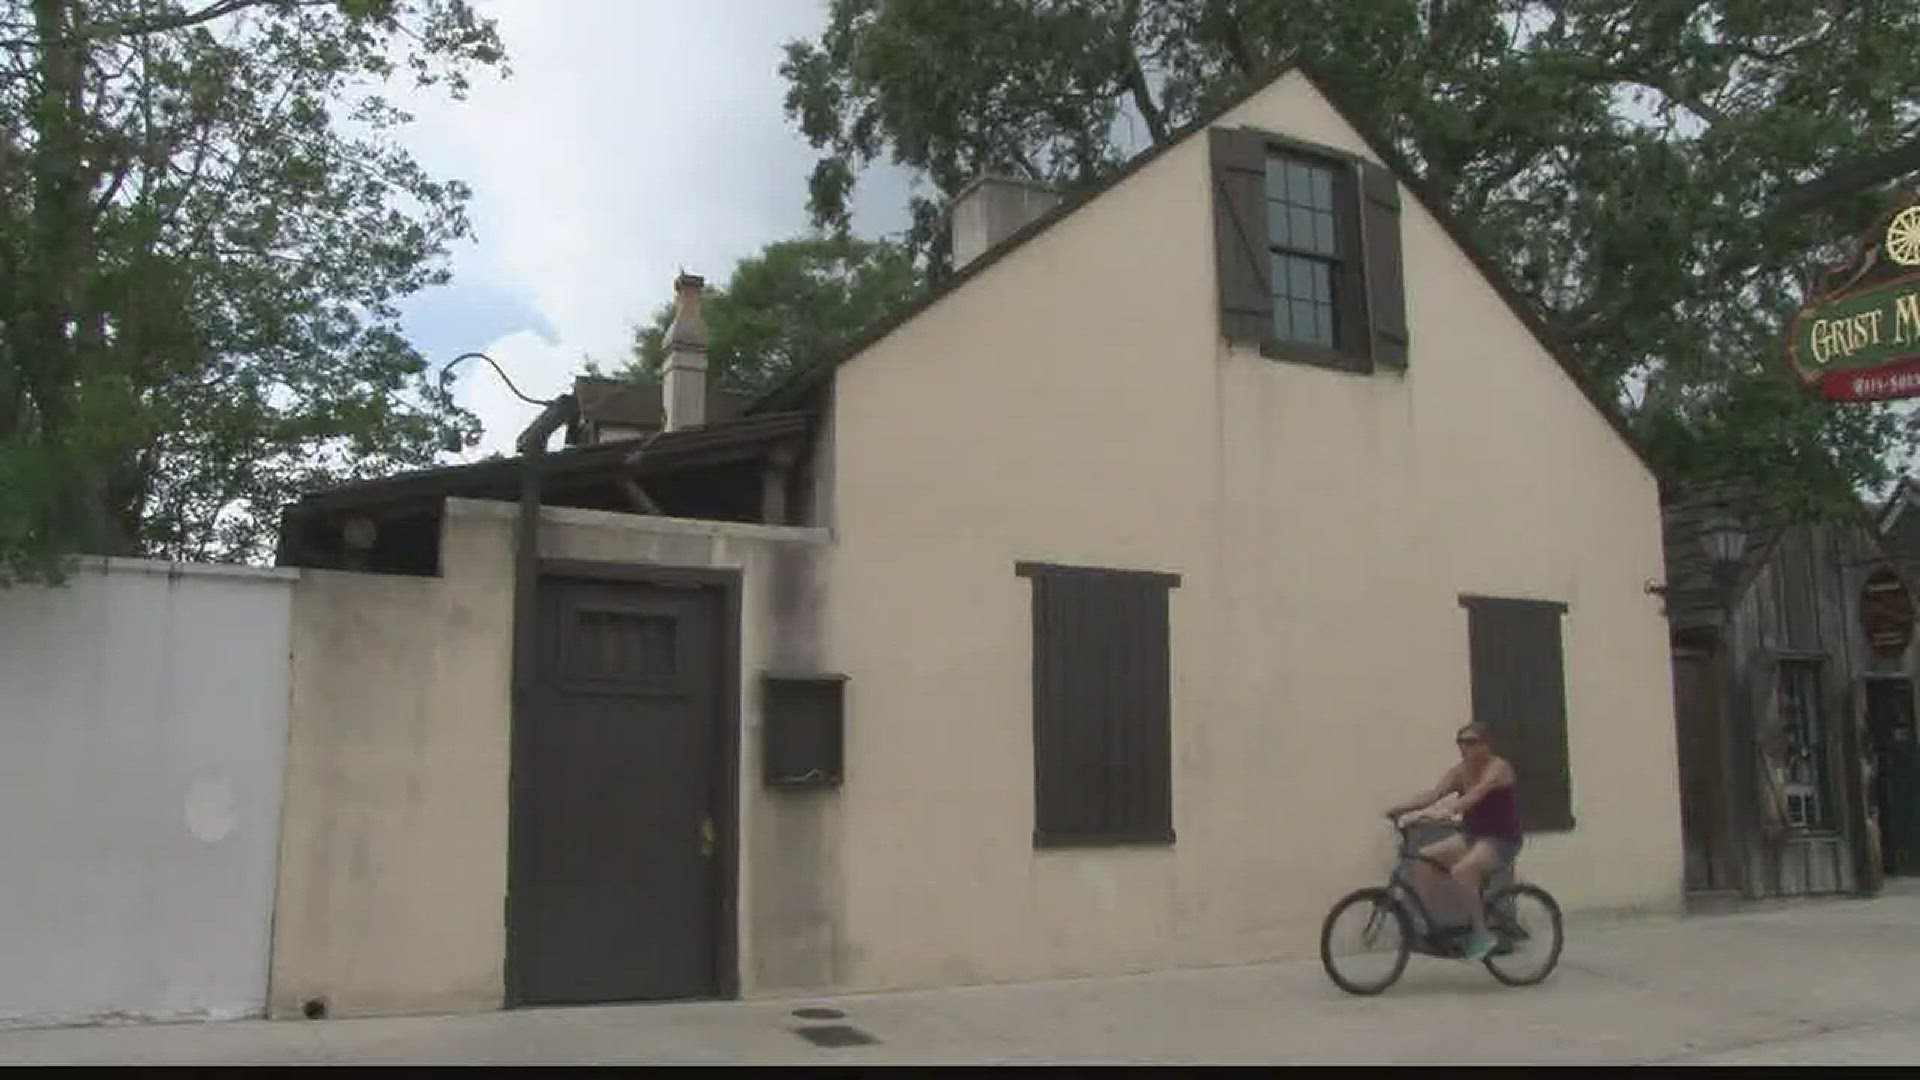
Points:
x=773, y=496
x=637, y=495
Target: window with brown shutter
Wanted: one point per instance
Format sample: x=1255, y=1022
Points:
x=1102, y=705
x=1519, y=693
x=1307, y=249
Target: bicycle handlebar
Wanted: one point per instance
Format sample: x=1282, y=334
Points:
x=1403, y=825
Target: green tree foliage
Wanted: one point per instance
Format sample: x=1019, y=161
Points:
x=787, y=306
x=1617, y=157
x=204, y=226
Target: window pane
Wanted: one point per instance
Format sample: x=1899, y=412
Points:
x=1299, y=183
x=1323, y=188
x=1278, y=221
x=1301, y=227
x=1277, y=179
x=1305, y=326
x=1323, y=233
x=1301, y=278
x=1302, y=299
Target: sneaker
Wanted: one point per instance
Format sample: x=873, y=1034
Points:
x=1479, y=947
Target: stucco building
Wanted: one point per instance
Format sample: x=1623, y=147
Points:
x=1080, y=620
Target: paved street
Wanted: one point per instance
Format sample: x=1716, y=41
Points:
x=1834, y=981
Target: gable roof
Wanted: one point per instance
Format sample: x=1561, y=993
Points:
x=801, y=384
x=1696, y=594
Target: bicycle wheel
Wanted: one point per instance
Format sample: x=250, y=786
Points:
x=1365, y=941
x=1526, y=920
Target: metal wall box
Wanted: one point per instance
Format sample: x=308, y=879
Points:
x=803, y=730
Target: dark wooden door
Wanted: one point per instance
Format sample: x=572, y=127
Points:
x=614, y=869
x=1703, y=773
x=1896, y=751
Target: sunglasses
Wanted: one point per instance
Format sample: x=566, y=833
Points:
x=1467, y=740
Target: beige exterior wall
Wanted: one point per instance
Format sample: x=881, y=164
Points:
x=1076, y=404
x=393, y=865
x=393, y=839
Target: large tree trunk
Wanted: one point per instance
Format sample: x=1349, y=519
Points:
x=59, y=256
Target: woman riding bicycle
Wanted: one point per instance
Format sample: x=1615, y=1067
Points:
x=1489, y=836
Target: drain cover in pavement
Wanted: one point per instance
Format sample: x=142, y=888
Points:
x=834, y=1035
x=813, y=1012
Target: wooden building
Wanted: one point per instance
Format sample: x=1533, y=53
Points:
x=1893, y=737
x=1790, y=641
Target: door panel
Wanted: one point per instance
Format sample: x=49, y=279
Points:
x=1896, y=753
x=614, y=862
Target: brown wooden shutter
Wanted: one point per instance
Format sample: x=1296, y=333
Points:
x=1350, y=300
x=1243, y=265
x=1519, y=693
x=1386, y=278
x=1101, y=705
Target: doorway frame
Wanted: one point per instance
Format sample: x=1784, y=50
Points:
x=1870, y=798
x=723, y=771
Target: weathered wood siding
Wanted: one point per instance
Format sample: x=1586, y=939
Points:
x=1801, y=604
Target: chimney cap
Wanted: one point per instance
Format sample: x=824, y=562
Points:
x=990, y=210
x=688, y=330
x=968, y=189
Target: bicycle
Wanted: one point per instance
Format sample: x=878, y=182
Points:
x=1398, y=924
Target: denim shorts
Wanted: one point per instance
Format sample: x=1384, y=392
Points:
x=1506, y=848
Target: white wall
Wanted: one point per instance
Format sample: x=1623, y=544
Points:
x=143, y=719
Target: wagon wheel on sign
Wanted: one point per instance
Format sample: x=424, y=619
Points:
x=1903, y=237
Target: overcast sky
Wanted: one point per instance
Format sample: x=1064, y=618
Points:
x=632, y=139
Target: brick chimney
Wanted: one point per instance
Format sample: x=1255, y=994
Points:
x=992, y=208
x=683, y=388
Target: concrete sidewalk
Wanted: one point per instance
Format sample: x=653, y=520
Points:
x=1835, y=981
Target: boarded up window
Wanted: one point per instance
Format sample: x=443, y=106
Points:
x=1307, y=247
x=1101, y=706
x=803, y=730
x=1519, y=693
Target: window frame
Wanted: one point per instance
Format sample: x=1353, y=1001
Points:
x=1816, y=752
x=1349, y=285
x=1334, y=262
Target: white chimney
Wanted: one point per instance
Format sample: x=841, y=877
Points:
x=683, y=383
x=992, y=208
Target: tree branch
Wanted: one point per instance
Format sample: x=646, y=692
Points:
x=1150, y=111
x=153, y=24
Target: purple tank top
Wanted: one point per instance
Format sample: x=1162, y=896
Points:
x=1496, y=815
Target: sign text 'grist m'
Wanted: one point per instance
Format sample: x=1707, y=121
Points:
x=1859, y=339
